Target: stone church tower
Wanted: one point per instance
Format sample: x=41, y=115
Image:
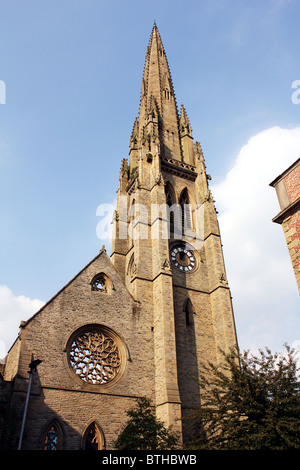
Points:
x=141, y=323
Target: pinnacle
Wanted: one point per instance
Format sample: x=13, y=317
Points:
x=154, y=26
x=183, y=115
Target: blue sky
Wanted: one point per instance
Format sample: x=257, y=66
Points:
x=72, y=71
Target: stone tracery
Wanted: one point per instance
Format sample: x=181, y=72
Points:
x=95, y=357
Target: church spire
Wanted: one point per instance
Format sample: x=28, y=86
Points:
x=157, y=96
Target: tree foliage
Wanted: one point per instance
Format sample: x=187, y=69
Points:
x=143, y=431
x=249, y=402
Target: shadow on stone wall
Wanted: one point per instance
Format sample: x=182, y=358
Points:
x=187, y=365
x=44, y=429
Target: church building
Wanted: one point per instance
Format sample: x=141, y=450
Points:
x=142, y=321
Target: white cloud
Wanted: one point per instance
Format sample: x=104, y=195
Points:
x=13, y=309
x=262, y=281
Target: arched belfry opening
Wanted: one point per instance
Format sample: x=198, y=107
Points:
x=170, y=201
x=186, y=210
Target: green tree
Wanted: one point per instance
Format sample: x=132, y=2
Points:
x=143, y=431
x=249, y=402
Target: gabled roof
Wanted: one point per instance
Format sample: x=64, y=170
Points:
x=101, y=253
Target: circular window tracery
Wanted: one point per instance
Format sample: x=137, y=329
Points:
x=99, y=284
x=95, y=355
x=102, y=283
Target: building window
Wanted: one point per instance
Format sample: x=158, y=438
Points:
x=96, y=355
x=188, y=311
x=98, y=284
x=186, y=211
x=132, y=269
x=93, y=438
x=52, y=436
x=169, y=200
x=101, y=283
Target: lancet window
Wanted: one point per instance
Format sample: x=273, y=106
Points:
x=52, y=436
x=93, y=438
x=186, y=215
x=188, y=311
x=170, y=200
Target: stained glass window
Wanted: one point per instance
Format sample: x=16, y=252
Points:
x=51, y=441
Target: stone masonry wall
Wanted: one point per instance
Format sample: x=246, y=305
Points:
x=56, y=391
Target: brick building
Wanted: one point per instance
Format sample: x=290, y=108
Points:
x=140, y=322
x=287, y=186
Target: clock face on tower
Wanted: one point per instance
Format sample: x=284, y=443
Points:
x=183, y=258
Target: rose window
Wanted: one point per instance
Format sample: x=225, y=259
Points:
x=94, y=356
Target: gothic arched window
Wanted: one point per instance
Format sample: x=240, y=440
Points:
x=188, y=311
x=131, y=220
x=93, y=438
x=131, y=270
x=170, y=200
x=101, y=283
x=52, y=436
x=186, y=213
